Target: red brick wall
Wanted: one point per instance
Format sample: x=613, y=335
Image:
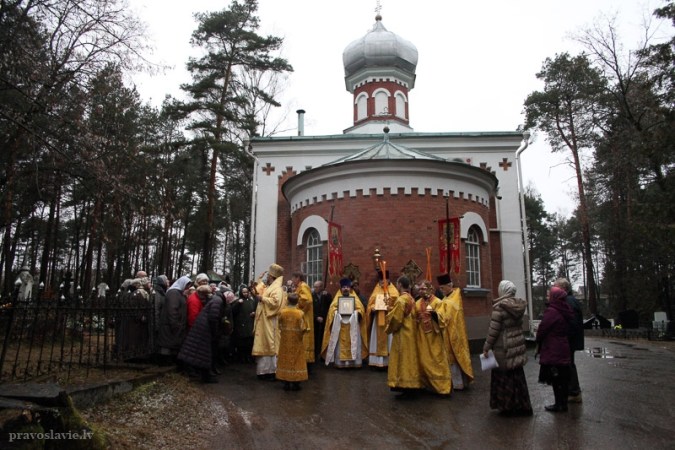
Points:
x=284, y=243
x=401, y=227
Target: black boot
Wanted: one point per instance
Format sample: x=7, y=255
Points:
x=559, y=406
x=564, y=395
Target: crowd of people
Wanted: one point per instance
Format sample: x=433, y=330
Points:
x=414, y=332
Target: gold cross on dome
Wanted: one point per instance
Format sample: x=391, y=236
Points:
x=378, y=7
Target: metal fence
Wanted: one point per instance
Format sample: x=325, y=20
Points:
x=56, y=335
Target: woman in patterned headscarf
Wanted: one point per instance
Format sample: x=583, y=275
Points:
x=508, y=386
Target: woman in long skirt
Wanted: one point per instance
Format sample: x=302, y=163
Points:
x=508, y=386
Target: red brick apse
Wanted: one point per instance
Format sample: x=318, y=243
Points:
x=399, y=221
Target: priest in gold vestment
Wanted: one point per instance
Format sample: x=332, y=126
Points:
x=379, y=342
x=344, y=338
x=433, y=356
x=306, y=305
x=456, y=340
x=403, y=372
x=265, y=329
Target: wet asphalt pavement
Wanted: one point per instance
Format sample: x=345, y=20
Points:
x=628, y=403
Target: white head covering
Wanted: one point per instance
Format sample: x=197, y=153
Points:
x=201, y=277
x=507, y=288
x=181, y=283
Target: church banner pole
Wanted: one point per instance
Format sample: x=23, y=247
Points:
x=447, y=233
x=325, y=272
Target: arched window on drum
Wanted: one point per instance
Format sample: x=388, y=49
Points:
x=382, y=103
x=362, y=107
x=400, y=105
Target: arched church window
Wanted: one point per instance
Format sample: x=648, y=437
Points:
x=361, y=107
x=314, y=248
x=382, y=102
x=473, y=258
x=400, y=105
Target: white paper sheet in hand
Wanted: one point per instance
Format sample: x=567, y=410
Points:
x=488, y=363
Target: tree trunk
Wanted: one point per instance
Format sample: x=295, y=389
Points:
x=207, y=251
x=145, y=256
x=92, y=238
x=51, y=275
x=591, y=290
x=184, y=240
x=50, y=230
x=7, y=213
x=165, y=252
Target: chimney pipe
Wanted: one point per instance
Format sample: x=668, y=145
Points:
x=301, y=122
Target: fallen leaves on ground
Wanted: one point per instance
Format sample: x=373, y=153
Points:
x=169, y=413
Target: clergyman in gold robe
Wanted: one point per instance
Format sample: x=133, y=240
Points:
x=265, y=329
x=379, y=342
x=344, y=338
x=454, y=334
x=306, y=305
x=434, y=368
x=403, y=372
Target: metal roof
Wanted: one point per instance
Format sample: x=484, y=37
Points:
x=386, y=150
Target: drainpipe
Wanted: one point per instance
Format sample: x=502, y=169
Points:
x=301, y=122
x=523, y=226
x=248, y=148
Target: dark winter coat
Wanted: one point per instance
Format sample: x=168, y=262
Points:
x=132, y=324
x=576, y=337
x=505, y=335
x=553, y=334
x=227, y=324
x=321, y=304
x=241, y=314
x=197, y=349
x=173, y=317
x=160, y=299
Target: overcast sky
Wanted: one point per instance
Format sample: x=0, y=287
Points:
x=477, y=61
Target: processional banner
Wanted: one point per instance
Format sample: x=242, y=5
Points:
x=453, y=246
x=335, y=268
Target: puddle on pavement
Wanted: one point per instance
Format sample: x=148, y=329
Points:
x=599, y=352
x=602, y=352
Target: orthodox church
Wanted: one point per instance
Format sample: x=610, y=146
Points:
x=381, y=195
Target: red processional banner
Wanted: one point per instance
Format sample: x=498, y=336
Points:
x=335, y=268
x=453, y=246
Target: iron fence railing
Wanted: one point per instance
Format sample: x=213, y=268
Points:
x=46, y=335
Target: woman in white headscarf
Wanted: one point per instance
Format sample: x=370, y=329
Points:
x=508, y=386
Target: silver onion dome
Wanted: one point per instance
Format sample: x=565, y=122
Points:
x=380, y=48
